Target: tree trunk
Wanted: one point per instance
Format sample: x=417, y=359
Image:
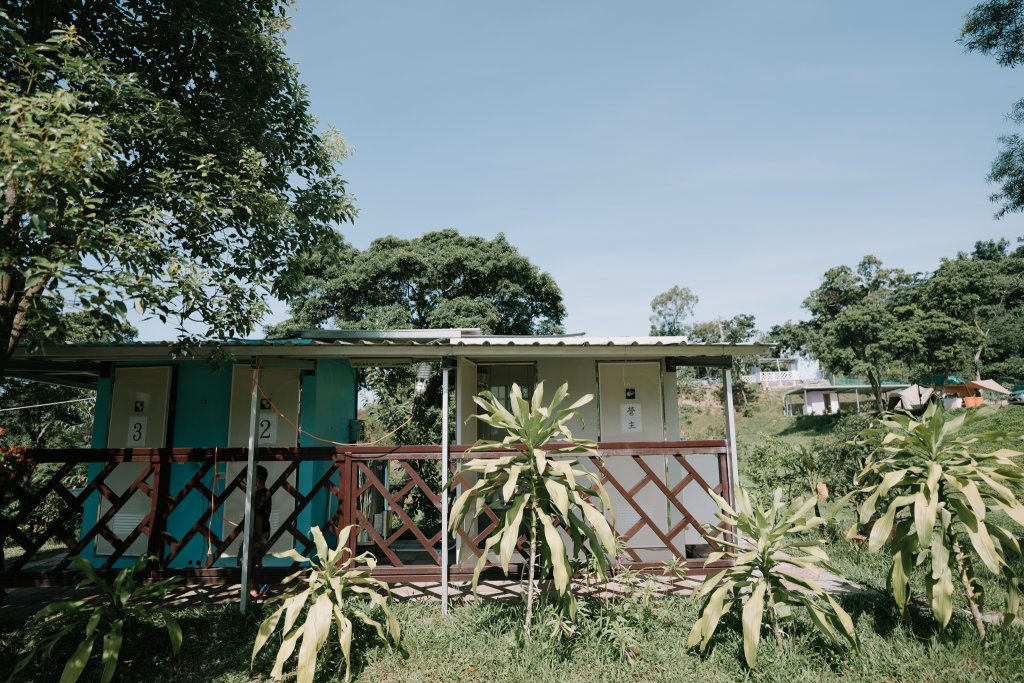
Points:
x=776, y=629
x=965, y=581
x=875, y=379
x=531, y=591
x=980, y=348
x=15, y=308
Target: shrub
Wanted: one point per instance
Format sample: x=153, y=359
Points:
x=772, y=464
x=327, y=587
x=546, y=495
x=841, y=453
x=762, y=577
x=118, y=604
x=928, y=483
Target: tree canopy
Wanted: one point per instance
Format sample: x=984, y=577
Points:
x=156, y=154
x=62, y=416
x=966, y=317
x=669, y=310
x=996, y=28
x=439, y=280
x=854, y=327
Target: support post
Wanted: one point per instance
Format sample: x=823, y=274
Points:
x=730, y=431
x=250, y=488
x=856, y=396
x=444, y=488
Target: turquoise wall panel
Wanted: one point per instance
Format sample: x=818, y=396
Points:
x=201, y=410
x=101, y=417
x=202, y=404
x=329, y=404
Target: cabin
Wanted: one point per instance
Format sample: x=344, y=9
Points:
x=831, y=399
x=174, y=439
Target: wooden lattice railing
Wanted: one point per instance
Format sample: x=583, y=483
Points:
x=391, y=493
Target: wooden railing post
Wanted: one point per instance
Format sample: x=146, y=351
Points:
x=158, y=507
x=349, y=486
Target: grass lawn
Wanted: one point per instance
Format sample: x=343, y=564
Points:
x=482, y=642
x=704, y=418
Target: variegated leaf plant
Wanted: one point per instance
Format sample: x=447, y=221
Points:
x=333, y=586
x=104, y=618
x=765, y=576
x=927, y=485
x=550, y=499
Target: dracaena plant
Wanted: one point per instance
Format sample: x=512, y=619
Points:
x=335, y=587
x=764, y=579
x=106, y=616
x=927, y=485
x=546, y=494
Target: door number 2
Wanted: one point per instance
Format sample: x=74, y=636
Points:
x=266, y=427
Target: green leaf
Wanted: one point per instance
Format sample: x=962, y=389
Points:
x=509, y=487
x=941, y=581
x=111, y=651
x=314, y=634
x=753, y=611
x=880, y=531
x=288, y=643
x=712, y=611
x=985, y=547
x=559, y=496
x=266, y=629
x=513, y=521
x=345, y=640
x=76, y=663
x=924, y=515
x=540, y=459
x=559, y=562
x=320, y=543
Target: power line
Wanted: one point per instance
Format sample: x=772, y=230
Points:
x=43, y=405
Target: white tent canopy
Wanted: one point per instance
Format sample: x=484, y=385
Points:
x=988, y=385
x=913, y=397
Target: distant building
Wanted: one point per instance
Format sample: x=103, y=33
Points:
x=783, y=373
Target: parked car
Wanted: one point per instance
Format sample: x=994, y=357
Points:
x=1017, y=397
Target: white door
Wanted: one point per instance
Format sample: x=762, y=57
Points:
x=632, y=401
x=632, y=409
x=139, y=398
x=277, y=422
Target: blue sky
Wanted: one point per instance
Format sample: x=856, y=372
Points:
x=739, y=149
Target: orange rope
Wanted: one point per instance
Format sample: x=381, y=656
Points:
x=300, y=430
x=213, y=493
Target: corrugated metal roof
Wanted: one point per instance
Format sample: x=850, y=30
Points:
x=393, y=345
x=569, y=340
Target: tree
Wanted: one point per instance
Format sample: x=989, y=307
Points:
x=964, y=307
x=155, y=154
x=996, y=28
x=439, y=280
x=790, y=337
x=549, y=497
x=936, y=484
x=735, y=330
x=669, y=310
x=854, y=327
x=64, y=415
